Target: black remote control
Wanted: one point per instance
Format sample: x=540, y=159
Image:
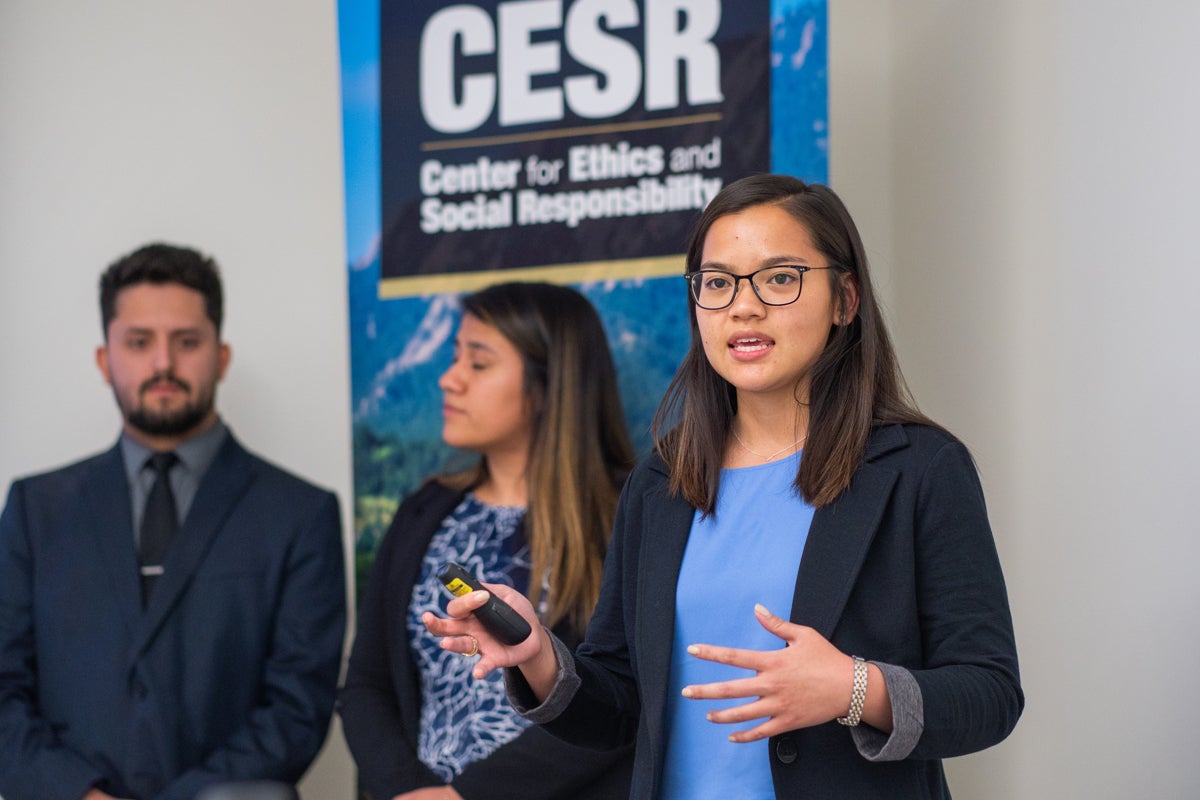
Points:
x=500, y=619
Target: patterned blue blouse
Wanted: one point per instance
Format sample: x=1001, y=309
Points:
x=464, y=719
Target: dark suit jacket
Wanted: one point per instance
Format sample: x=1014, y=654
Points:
x=228, y=674
x=380, y=704
x=900, y=569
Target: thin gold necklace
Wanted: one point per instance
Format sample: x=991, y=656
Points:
x=765, y=458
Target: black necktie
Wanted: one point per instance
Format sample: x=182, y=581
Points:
x=158, y=522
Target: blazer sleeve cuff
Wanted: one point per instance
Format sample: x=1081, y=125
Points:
x=908, y=719
x=566, y=684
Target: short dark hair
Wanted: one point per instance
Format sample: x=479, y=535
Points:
x=160, y=263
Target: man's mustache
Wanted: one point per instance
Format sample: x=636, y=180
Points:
x=164, y=377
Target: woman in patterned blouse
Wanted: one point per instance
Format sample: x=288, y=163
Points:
x=533, y=391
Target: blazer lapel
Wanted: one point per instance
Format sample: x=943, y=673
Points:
x=840, y=536
x=667, y=523
x=106, y=503
x=227, y=480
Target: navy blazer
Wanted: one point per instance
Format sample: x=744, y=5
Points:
x=380, y=704
x=901, y=569
x=228, y=674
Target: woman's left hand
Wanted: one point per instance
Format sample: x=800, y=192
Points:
x=806, y=683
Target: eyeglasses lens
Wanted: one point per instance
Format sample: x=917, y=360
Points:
x=775, y=286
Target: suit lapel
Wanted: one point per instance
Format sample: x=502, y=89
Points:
x=840, y=536
x=227, y=480
x=106, y=502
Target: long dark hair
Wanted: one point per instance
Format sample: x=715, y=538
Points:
x=855, y=384
x=580, y=452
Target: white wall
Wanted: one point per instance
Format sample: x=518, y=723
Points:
x=1022, y=171
x=1040, y=159
x=215, y=124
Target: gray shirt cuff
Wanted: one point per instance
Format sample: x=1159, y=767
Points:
x=908, y=719
x=566, y=683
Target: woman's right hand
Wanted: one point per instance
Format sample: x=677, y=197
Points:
x=461, y=633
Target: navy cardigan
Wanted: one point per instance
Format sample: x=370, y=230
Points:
x=380, y=700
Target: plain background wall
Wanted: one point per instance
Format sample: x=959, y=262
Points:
x=1022, y=171
x=215, y=124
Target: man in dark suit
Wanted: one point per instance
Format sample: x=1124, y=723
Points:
x=172, y=611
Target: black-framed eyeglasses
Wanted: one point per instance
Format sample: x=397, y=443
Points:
x=714, y=289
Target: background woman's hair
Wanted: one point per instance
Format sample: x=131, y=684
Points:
x=855, y=384
x=580, y=452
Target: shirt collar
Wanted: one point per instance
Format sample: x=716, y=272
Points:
x=195, y=454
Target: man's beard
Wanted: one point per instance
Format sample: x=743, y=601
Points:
x=167, y=423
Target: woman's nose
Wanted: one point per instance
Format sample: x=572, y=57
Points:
x=746, y=301
x=450, y=381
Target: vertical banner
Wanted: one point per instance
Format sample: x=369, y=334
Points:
x=571, y=141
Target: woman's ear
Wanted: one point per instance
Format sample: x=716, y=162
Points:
x=848, y=286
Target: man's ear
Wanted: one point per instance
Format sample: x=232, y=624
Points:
x=225, y=354
x=102, y=363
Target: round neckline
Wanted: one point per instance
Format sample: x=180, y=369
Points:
x=496, y=506
x=768, y=465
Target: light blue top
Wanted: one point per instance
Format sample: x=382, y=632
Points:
x=747, y=552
